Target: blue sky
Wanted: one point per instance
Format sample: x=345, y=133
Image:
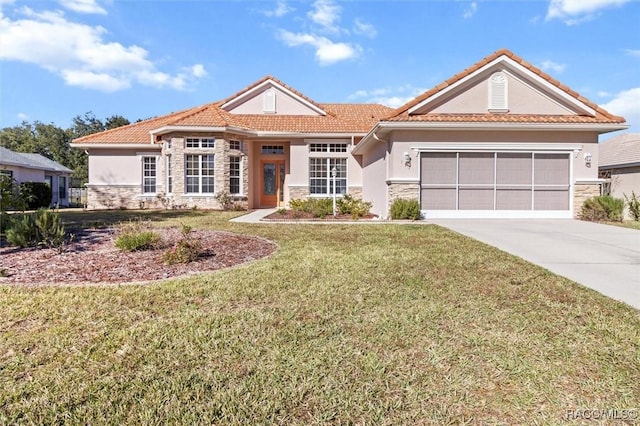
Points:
x=139, y=59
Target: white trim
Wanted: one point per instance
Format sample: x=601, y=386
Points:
x=496, y=214
x=496, y=146
x=402, y=180
x=114, y=145
x=250, y=93
x=595, y=181
x=116, y=185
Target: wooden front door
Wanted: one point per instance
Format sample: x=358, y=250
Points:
x=271, y=183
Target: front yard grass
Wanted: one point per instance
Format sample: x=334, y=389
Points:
x=360, y=324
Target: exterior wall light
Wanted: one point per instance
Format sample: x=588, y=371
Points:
x=407, y=159
x=587, y=159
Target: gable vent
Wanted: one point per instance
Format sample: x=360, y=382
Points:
x=269, y=101
x=498, y=93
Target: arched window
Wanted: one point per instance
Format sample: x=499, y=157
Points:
x=269, y=101
x=498, y=94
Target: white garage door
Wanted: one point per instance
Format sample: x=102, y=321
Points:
x=495, y=184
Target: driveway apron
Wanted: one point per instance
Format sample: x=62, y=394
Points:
x=604, y=258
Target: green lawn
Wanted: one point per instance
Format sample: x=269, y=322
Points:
x=361, y=324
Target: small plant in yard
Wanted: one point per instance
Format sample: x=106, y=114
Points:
x=318, y=207
x=602, y=208
x=405, y=209
x=43, y=228
x=355, y=207
x=633, y=203
x=136, y=236
x=281, y=211
x=187, y=249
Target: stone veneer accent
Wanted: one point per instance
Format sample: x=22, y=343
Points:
x=355, y=191
x=581, y=192
x=298, y=192
x=120, y=197
x=406, y=190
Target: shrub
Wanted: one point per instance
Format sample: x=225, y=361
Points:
x=23, y=232
x=136, y=236
x=44, y=228
x=634, y=205
x=35, y=194
x=185, y=250
x=50, y=229
x=357, y=208
x=613, y=206
x=593, y=211
x=298, y=205
x=320, y=207
x=10, y=194
x=405, y=209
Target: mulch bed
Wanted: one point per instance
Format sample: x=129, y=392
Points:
x=92, y=258
x=293, y=215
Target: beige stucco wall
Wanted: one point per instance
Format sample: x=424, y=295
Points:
x=118, y=167
x=374, y=175
x=522, y=99
x=624, y=181
x=285, y=104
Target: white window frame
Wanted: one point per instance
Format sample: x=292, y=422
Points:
x=169, y=171
x=199, y=176
x=235, y=141
x=208, y=142
x=145, y=177
x=239, y=176
x=328, y=179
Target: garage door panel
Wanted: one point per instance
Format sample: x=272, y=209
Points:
x=438, y=199
x=513, y=168
x=439, y=168
x=513, y=199
x=476, y=168
x=551, y=199
x=551, y=169
x=475, y=199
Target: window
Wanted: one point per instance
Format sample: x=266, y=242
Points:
x=328, y=147
x=272, y=149
x=200, y=142
x=62, y=187
x=234, y=144
x=169, y=175
x=199, y=171
x=235, y=173
x=320, y=179
x=7, y=173
x=148, y=175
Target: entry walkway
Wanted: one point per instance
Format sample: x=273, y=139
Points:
x=604, y=258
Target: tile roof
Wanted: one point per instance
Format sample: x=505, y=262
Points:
x=620, y=150
x=32, y=161
x=601, y=116
x=340, y=118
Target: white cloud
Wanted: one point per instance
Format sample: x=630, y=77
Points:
x=326, y=13
x=627, y=105
x=633, y=52
x=83, y=6
x=573, y=12
x=552, y=66
x=471, y=10
x=22, y=116
x=603, y=94
x=393, y=97
x=198, y=71
x=327, y=51
x=365, y=29
x=281, y=9
x=81, y=55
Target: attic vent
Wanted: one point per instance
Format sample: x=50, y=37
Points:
x=498, y=93
x=269, y=101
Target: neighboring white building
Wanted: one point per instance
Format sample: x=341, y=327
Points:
x=35, y=168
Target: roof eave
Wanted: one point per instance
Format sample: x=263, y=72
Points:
x=113, y=145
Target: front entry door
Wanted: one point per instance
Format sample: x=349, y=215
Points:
x=272, y=183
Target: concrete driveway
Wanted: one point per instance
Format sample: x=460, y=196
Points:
x=602, y=257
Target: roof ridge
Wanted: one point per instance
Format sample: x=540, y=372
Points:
x=490, y=58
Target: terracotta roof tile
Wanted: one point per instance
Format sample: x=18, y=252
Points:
x=601, y=116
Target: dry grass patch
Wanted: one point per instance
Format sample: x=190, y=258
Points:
x=385, y=324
